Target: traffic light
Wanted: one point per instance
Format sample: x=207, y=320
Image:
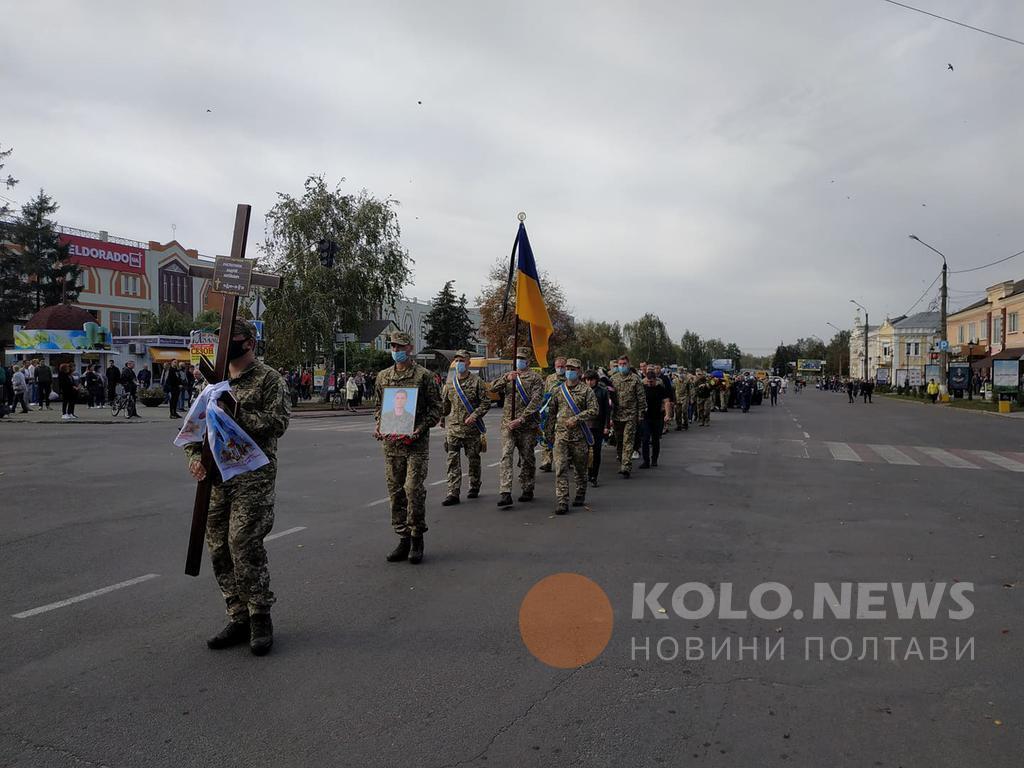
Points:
x=326, y=250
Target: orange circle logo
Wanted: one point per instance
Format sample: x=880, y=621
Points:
x=566, y=620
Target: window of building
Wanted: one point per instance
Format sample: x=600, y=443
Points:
x=960, y=334
x=1013, y=325
x=124, y=323
x=997, y=328
x=972, y=332
x=983, y=328
x=130, y=285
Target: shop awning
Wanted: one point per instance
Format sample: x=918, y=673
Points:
x=1010, y=353
x=168, y=355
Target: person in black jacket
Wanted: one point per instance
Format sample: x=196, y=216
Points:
x=600, y=424
x=171, y=382
x=113, y=379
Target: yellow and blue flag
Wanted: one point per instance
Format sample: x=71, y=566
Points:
x=529, y=297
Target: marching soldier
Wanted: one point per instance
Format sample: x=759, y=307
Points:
x=631, y=403
x=684, y=393
x=525, y=388
x=406, y=456
x=242, y=509
x=573, y=405
x=464, y=402
x=551, y=383
x=702, y=390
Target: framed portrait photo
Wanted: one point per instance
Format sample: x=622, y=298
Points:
x=398, y=410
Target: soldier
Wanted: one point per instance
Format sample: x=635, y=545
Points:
x=464, y=402
x=631, y=403
x=702, y=390
x=406, y=456
x=525, y=388
x=683, y=386
x=550, y=384
x=242, y=509
x=573, y=404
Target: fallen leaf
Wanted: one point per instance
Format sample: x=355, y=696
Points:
x=997, y=722
x=662, y=610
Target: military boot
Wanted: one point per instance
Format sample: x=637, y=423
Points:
x=526, y=496
x=450, y=500
x=473, y=493
x=561, y=510
x=401, y=552
x=579, y=501
x=416, y=554
x=262, y=635
x=505, y=500
x=235, y=633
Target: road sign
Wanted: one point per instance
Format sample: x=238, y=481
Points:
x=232, y=276
x=943, y=346
x=259, y=329
x=344, y=338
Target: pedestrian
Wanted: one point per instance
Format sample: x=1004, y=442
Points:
x=93, y=385
x=3, y=390
x=773, y=391
x=867, y=388
x=553, y=381
x=657, y=413
x=744, y=392
x=406, y=456
x=572, y=406
x=129, y=383
x=599, y=425
x=145, y=377
x=630, y=405
x=523, y=391
x=683, y=388
x=933, y=390
x=464, y=402
x=113, y=379
x=44, y=384
x=702, y=390
x=849, y=390
x=242, y=508
x=351, y=392
x=171, y=383
x=20, y=386
x=68, y=392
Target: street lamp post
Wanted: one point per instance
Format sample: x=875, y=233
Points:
x=865, y=337
x=945, y=297
x=840, y=330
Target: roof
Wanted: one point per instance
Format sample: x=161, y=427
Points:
x=374, y=328
x=921, y=320
x=969, y=307
x=59, y=317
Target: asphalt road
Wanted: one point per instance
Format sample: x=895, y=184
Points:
x=380, y=664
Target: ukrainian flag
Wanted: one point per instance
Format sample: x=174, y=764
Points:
x=530, y=300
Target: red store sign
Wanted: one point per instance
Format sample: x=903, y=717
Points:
x=99, y=253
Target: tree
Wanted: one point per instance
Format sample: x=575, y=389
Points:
x=499, y=332
x=595, y=343
x=44, y=259
x=448, y=323
x=208, y=320
x=7, y=183
x=691, y=351
x=837, y=354
x=170, y=322
x=360, y=358
x=315, y=301
x=648, y=340
x=15, y=296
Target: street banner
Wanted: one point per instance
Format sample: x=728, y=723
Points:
x=1004, y=375
x=915, y=377
x=882, y=376
x=933, y=372
x=202, y=344
x=810, y=366
x=721, y=365
x=319, y=374
x=959, y=375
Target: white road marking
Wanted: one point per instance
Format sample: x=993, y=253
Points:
x=842, y=452
x=86, y=596
x=494, y=464
x=438, y=482
x=999, y=461
x=892, y=454
x=946, y=458
x=290, y=531
x=378, y=502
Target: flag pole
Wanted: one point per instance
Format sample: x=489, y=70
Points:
x=515, y=332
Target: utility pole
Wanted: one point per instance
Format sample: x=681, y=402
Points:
x=944, y=353
x=865, y=338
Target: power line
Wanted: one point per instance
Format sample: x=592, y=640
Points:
x=907, y=313
x=985, y=266
x=954, y=21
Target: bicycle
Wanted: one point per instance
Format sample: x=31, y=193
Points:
x=125, y=401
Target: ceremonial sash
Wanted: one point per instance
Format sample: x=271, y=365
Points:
x=466, y=404
x=522, y=391
x=571, y=402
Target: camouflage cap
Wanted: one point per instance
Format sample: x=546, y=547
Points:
x=400, y=337
x=523, y=352
x=242, y=327
x=463, y=353
x=572, y=362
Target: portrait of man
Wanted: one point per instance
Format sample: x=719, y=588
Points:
x=398, y=411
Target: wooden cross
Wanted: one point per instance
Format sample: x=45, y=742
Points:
x=231, y=278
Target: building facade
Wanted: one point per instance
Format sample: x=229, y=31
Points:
x=990, y=328
x=915, y=340
x=410, y=316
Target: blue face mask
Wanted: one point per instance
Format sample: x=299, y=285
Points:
x=460, y=367
x=560, y=371
x=521, y=364
x=572, y=375
x=399, y=355
x=623, y=369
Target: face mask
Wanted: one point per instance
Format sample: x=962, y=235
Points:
x=399, y=355
x=460, y=367
x=572, y=375
x=236, y=349
x=560, y=371
x=521, y=364
x=623, y=369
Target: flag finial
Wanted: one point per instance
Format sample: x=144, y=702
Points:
x=522, y=216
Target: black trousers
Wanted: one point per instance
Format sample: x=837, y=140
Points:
x=174, y=396
x=650, y=439
x=595, y=455
x=44, y=394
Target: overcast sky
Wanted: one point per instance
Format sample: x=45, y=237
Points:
x=739, y=168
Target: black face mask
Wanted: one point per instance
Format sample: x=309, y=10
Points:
x=236, y=349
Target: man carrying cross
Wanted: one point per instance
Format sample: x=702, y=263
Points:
x=241, y=511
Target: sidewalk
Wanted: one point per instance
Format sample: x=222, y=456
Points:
x=85, y=414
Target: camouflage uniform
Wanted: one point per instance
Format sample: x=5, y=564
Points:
x=551, y=383
x=571, y=448
x=405, y=466
x=684, y=392
x=524, y=438
x=460, y=437
x=242, y=509
x=631, y=404
x=702, y=391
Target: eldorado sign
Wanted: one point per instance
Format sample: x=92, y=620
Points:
x=100, y=253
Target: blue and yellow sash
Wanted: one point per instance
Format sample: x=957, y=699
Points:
x=571, y=402
x=467, y=405
x=522, y=391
